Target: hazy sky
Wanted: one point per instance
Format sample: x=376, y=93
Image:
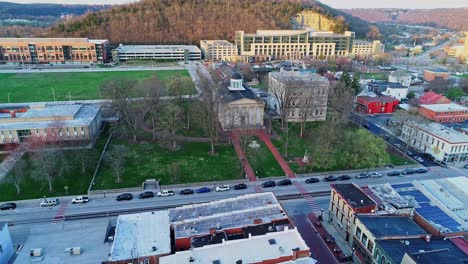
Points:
x=332, y=3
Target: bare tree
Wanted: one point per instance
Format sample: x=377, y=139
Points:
x=17, y=173
x=152, y=103
x=170, y=121
x=49, y=165
x=285, y=100
x=117, y=157
x=121, y=91
x=182, y=88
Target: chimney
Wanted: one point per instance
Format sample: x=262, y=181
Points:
x=295, y=254
x=12, y=113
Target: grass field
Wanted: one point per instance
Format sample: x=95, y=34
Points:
x=262, y=161
x=191, y=163
x=39, y=87
x=377, y=76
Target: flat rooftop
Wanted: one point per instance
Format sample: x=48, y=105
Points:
x=218, y=42
x=354, y=196
x=42, y=40
x=380, y=99
x=143, y=234
x=436, y=70
x=389, y=196
x=279, y=32
x=394, y=85
x=445, y=133
x=51, y=111
x=156, y=48
x=293, y=76
x=391, y=226
x=444, y=107
x=54, y=238
x=254, y=249
x=396, y=249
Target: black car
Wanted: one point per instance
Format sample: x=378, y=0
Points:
x=330, y=178
x=465, y=166
x=408, y=172
x=284, y=182
x=146, y=195
x=240, y=186
x=312, y=180
x=421, y=170
x=7, y=206
x=268, y=184
x=124, y=196
x=344, y=178
x=186, y=192
x=393, y=173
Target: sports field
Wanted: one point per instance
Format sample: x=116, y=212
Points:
x=40, y=87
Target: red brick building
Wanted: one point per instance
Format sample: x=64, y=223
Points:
x=444, y=113
x=430, y=75
x=433, y=98
x=377, y=105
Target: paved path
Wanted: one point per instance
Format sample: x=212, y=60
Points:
x=235, y=139
x=263, y=136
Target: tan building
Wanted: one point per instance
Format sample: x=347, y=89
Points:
x=52, y=50
x=218, y=50
x=240, y=108
x=49, y=122
x=303, y=95
x=456, y=51
x=465, y=48
x=367, y=49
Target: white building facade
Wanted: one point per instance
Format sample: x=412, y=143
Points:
x=400, y=77
x=156, y=52
x=367, y=49
x=218, y=50
x=6, y=246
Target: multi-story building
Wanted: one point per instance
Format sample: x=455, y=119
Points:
x=6, y=244
x=444, y=113
x=346, y=201
x=392, y=89
x=52, y=50
x=49, y=122
x=465, y=49
x=456, y=51
x=377, y=105
x=444, y=144
x=293, y=44
x=367, y=49
x=401, y=77
x=218, y=50
x=156, y=52
x=430, y=75
x=433, y=98
x=303, y=95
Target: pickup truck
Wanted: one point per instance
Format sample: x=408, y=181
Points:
x=165, y=193
x=80, y=199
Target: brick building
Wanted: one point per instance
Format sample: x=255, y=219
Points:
x=376, y=105
x=433, y=98
x=444, y=113
x=430, y=75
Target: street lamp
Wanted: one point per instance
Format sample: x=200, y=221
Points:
x=9, y=97
x=321, y=214
x=352, y=253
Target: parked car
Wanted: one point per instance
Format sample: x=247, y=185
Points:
x=80, y=199
x=7, y=206
x=49, y=202
x=240, y=186
x=330, y=178
x=145, y=195
x=409, y=153
x=312, y=180
x=186, y=192
x=398, y=146
x=344, y=178
x=421, y=170
x=408, y=171
x=362, y=175
x=375, y=175
x=268, y=184
x=203, y=190
x=465, y=166
x=419, y=159
x=394, y=173
x=163, y=193
x=124, y=196
x=284, y=182
x=222, y=188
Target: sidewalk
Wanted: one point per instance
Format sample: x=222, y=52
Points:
x=235, y=139
x=262, y=135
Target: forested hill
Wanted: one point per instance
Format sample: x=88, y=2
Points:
x=188, y=21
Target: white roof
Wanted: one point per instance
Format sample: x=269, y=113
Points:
x=287, y=76
x=280, y=32
x=156, y=48
x=140, y=235
x=254, y=249
x=444, y=107
x=447, y=134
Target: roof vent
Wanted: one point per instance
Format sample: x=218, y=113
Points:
x=272, y=241
x=191, y=259
x=154, y=248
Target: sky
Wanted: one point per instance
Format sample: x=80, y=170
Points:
x=332, y=3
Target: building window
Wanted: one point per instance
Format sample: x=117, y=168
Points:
x=364, y=239
x=358, y=232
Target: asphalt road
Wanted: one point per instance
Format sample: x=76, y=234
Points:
x=30, y=212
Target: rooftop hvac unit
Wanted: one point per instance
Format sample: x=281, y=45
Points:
x=35, y=252
x=110, y=238
x=73, y=250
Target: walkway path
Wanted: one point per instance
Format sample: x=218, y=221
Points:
x=235, y=139
x=263, y=136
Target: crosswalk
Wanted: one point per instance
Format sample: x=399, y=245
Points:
x=61, y=212
x=310, y=200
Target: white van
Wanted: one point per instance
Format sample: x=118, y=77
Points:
x=49, y=202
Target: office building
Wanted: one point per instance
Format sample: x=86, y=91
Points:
x=302, y=95
x=156, y=52
x=430, y=75
x=52, y=50
x=367, y=49
x=293, y=44
x=456, y=51
x=218, y=50
x=376, y=105
x=444, y=113
x=443, y=143
x=49, y=122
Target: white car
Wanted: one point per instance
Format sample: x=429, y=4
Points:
x=49, y=202
x=80, y=199
x=165, y=193
x=375, y=175
x=419, y=159
x=222, y=188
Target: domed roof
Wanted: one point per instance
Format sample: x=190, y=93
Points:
x=236, y=76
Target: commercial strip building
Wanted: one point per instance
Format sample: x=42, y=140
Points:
x=430, y=75
x=156, y=52
x=367, y=49
x=376, y=105
x=442, y=143
x=218, y=50
x=49, y=122
x=303, y=95
x=444, y=113
x=293, y=44
x=53, y=50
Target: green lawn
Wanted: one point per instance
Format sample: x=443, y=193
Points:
x=191, y=163
x=37, y=87
x=377, y=76
x=73, y=178
x=262, y=161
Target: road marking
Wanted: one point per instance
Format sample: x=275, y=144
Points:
x=61, y=212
